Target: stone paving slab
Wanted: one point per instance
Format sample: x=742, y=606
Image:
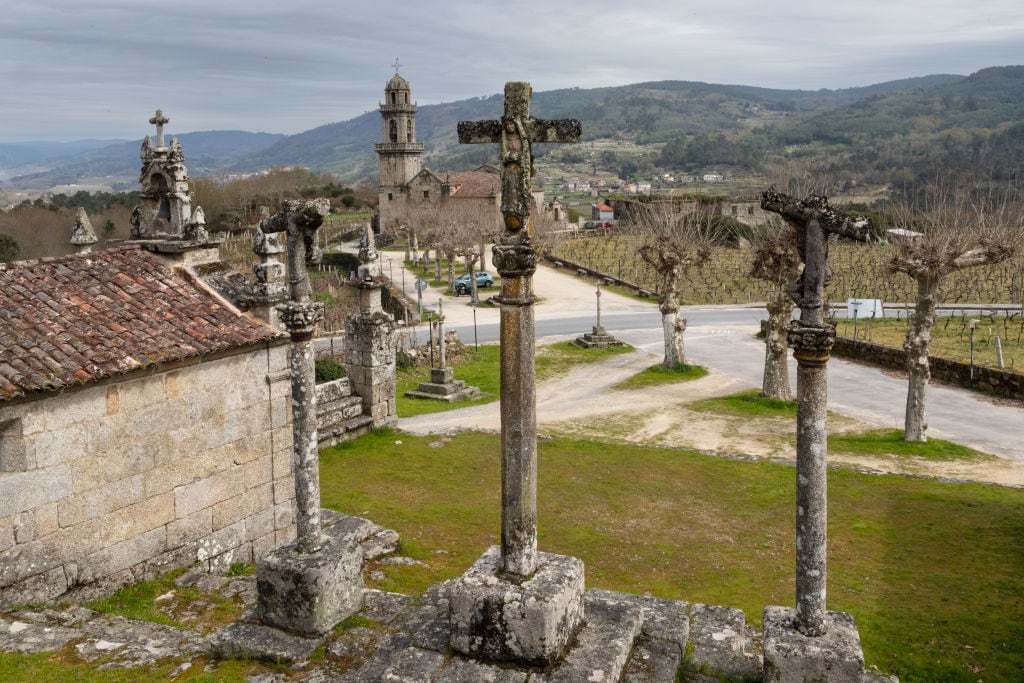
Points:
x=242, y=640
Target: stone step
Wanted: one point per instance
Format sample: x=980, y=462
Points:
x=720, y=640
x=339, y=410
x=603, y=645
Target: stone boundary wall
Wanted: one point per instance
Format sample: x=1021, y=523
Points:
x=559, y=262
x=117, y=482
x=989, y=380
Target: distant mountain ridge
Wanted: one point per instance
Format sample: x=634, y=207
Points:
x=915, y=112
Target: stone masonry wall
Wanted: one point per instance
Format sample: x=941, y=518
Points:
x=990, y=380
x=113, y=483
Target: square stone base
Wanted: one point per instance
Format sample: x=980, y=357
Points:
x=790, y=656
x=309, y=593
x=530, y=622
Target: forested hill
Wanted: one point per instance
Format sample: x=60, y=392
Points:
x=887, y=131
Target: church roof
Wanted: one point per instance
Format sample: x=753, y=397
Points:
x=84, y=318
x=474, y=184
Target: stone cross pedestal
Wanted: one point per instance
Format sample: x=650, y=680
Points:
x=310, y=585
x=514, y=594
x=794, y=634
x=442, y=385
x=598, y=337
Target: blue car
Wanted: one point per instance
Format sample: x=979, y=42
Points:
x=483, y=279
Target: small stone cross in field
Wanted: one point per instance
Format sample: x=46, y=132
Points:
x=516, y=260
x=159, y=120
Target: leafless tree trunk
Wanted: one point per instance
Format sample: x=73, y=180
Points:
x=918, y=367
x=949, y=230
x=673, y=241
x=775, y=382
x=776, y=259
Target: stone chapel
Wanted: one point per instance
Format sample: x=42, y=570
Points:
x=108, y=362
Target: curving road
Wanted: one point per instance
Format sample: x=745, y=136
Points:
x=721, y=338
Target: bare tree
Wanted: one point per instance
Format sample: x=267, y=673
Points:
x=673, y=240
x=947, y=230
x=776, y=260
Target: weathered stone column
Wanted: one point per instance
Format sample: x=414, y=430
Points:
x=515, y=603
x=440, y=334
x=309, y=586
x=300, y=316
x=812, y=644
x=516, y=261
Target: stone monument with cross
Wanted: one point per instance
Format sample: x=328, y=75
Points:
x=442, y=385
x=308, y=586
x=810, y=643
x=598, y=337
x=515, y=603
x=165, y=222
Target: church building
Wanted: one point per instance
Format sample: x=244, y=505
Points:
x=405, y=186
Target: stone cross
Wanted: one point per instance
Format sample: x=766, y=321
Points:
x=159, y=120
x=598, y=287
x=516, y=260
x=440, y=334
x=300, y=220
x=811, y=339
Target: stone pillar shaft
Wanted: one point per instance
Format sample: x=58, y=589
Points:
x=518, y=427
x=811, y=345
x=304, y=434
x=811, y=502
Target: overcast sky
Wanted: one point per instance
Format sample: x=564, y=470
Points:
x=74, y=69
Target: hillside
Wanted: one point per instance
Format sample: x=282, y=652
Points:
x=206, y=152
x=880, y=133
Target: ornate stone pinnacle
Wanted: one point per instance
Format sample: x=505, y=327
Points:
x=811, y=344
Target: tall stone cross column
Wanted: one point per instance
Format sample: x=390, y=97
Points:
x=516, y=260
x=515, y=603
x=300, y=220
x=159, y=120
x=811, y=339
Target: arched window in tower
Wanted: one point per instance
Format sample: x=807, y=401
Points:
x=408, y=131
x=394, y=99
x=393, y=128
x=164, y=209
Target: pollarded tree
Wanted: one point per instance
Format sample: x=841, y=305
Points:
x=777, y=261
x=673, y=241
x=947, y=231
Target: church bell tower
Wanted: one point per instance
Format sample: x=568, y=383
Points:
x=399, y=153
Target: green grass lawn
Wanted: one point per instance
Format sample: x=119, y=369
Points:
x=480, y=368
x=930, y=570
x=659, y=374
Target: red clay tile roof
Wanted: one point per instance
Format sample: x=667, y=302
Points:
x=475, y=184
x=79, y=319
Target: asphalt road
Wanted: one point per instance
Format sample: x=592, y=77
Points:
x=721, y=338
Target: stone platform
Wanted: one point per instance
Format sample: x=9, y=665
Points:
x=598, y=338
x=444, y=387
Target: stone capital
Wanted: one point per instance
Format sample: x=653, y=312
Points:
x=301, y=317
x=811, y=344
x=516, y=259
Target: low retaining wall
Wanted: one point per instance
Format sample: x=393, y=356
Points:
x=989, y=380
x=558, y=262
